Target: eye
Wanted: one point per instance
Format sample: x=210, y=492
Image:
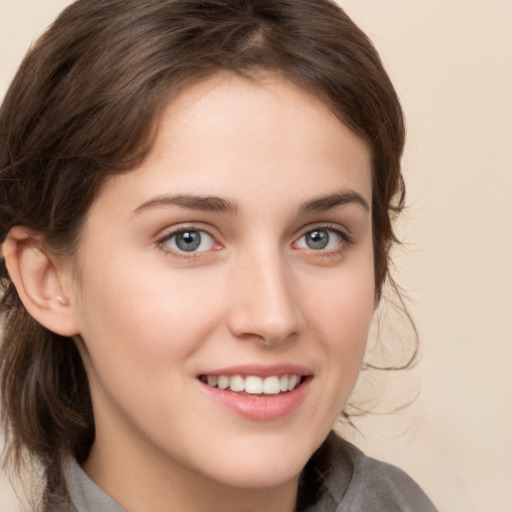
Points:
x=321, y=239
x=189, y=240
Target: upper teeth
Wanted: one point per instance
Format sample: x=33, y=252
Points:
x=254, y=385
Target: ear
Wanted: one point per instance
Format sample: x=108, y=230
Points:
x=41, y=285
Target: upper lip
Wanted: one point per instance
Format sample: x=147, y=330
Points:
x=261, y=370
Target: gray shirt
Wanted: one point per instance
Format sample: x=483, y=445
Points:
x=338, y=478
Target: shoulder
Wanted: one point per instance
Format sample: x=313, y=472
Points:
x=374, y=486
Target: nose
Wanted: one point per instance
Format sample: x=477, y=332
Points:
x=265, y=305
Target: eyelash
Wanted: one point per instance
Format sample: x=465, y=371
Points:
x=345, y=240
x=184, y=255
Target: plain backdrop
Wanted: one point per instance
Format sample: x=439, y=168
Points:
x=451, y=62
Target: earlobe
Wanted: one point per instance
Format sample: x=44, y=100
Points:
x=38, y=281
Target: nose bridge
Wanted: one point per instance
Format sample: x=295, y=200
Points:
x=266, y=306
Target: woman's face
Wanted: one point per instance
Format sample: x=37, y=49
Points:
x=238, y=254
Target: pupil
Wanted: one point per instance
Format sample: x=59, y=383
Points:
x=317, y=239
x=188, y=240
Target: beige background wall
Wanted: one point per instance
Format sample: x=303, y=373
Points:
x=451, y=61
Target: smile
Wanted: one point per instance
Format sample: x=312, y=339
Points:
x=252, y=384
x=256, y=392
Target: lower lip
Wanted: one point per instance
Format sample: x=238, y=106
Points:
x=260, y=407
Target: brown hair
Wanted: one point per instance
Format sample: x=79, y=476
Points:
x=84, y=105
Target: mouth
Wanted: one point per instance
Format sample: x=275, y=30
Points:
x=258, y=392
x=253, y=385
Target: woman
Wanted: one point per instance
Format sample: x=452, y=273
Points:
x=196, y=206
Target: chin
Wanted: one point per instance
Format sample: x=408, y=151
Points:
x=263, y=469
x=252, y=477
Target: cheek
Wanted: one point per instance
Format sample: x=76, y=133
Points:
x=345, y=304
x=342, y=319
x=346, y=325
x=143, y=323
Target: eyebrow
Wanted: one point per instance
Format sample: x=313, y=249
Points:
x=192, y=202
x=217, y=204
x=330, y=201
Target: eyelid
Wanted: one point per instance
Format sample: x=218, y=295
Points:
x=337, y=228
x=168, y=233
x=325, y=256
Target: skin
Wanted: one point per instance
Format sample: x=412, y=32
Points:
x=150, y=318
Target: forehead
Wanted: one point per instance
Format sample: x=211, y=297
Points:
x=237, y=110
x=227, y=134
